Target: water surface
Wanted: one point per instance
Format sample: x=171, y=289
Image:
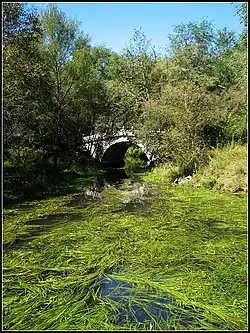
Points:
x=134, y=305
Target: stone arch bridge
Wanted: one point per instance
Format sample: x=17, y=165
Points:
x=111, y=148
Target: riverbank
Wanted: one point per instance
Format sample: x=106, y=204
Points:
x=225, y=171
x=166, y=242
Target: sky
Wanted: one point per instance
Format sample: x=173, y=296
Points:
x=112, y=24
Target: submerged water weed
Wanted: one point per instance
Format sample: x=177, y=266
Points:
x=193, y=246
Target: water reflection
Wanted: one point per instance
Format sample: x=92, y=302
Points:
x=142, y=306
x=135, y=206
x=117, y=175
x=43, y=225
x=134, y=305
x=82, y=200
x=114, y=176
x=109, y=177
x=56, y=218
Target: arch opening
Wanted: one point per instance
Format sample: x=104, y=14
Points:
x=114, y=155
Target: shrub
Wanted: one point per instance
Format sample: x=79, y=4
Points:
x=173, y=173
x=209, y=182
x=187, y=151
x=27, y=161
x=135, y=158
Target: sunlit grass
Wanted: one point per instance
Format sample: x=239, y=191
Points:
x=226, y=170
x=193, y=246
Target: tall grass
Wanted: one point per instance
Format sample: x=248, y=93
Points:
x=227, y=169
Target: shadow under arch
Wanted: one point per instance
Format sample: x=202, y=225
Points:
x=115, y=152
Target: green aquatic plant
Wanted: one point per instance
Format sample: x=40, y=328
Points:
x=192, y=246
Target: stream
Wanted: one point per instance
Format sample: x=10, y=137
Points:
x=134, y=304
x=146, y=308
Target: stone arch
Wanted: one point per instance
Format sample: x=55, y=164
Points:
x=114, y=151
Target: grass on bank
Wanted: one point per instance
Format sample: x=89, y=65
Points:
x=226, y=171
x=192, y=245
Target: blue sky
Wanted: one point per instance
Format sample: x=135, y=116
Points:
x=112, y=23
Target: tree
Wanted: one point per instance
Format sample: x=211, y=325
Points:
x=141, y=59
x=195, y=105
x=62, y=40
x=242, y=11
x=22, y=65
x=195, y=46
x=129, y=81
x=18, y=21
x=178, y=124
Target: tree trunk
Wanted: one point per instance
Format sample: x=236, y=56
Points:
x=55, y=157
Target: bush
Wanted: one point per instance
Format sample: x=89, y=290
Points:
x=173, y=173
x=187, y=152
x=209, y=182
x=27, y=162
x=135, y=158
x=8, y=164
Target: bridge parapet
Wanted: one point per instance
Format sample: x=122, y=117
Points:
x=99, y=144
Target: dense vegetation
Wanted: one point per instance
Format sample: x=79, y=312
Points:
x=172, y=240
x=226, y=170
x=67, y=226
x=58, y=87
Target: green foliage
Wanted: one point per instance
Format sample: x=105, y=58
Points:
x=7, y=164
x=242, y=11
x=28, y=162
x=23, y=87
x=61, y=40
x=194, y=46
x=192, y=33
x=205, y=71
x=135, y=158
x=183, y=113
x=51, y=91
x=208, y=182
x=58, y=87
x=227, y=169
x=173, y=173
x=18, y=21
x=165, y=174
x=190, y=244
x=131, y=82
x=236, y=128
